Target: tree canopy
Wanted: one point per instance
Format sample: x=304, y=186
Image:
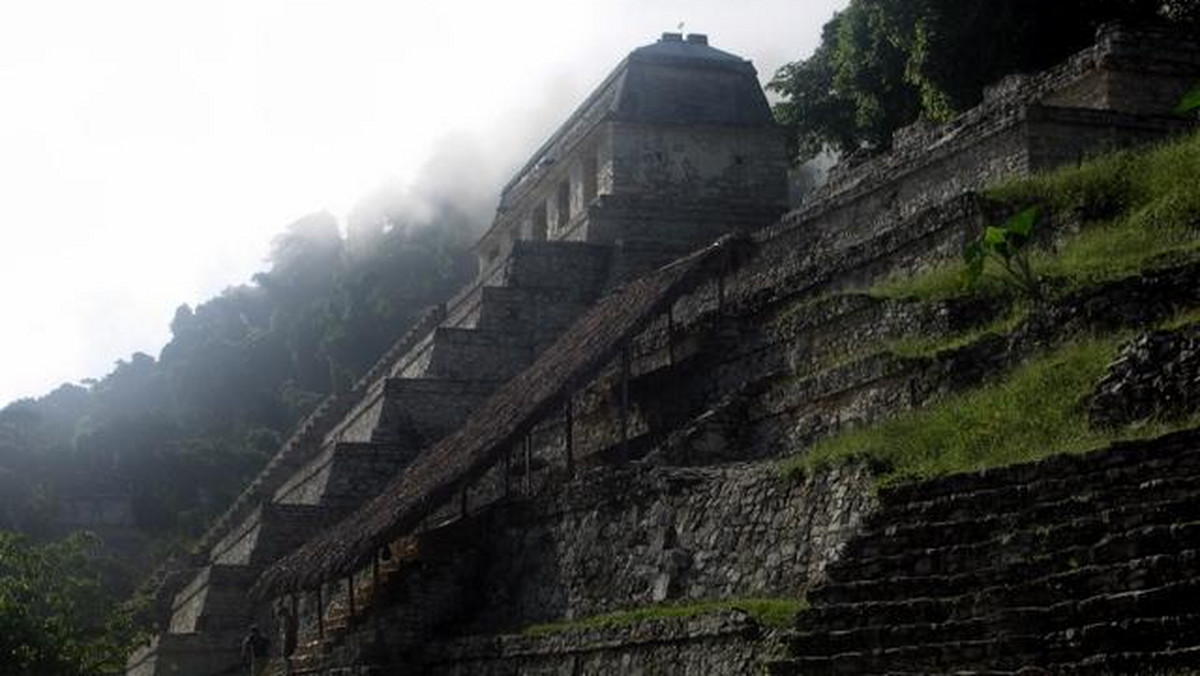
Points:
x=882, y=64
x=56, y=616
x=184, y=431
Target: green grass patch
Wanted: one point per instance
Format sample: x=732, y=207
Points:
x=775, y=613
x=939, y=283
x=1180, y=320
x=1135, y=206
x=1034, y=412
x=928, y=346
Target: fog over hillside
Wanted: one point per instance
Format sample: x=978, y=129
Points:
x=152, y=150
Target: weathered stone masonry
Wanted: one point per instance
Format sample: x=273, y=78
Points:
x=620, y=496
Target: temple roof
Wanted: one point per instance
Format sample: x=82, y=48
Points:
x=676, y=80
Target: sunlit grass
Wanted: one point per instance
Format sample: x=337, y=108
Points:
x=928, y=346
x=1034, y=412
x=1185, y=318
x=1136, y=207
x=939, y=283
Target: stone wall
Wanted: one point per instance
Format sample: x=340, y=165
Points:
x=632, y=537
x=186, y=655
x=213, y=601
x=727, y=644
x=1155, y=377
x=1092, y=103
x=460, y=354
x=427, y=408
x=344, y=476
x=557, y=265
x=1145, y=70
x=677, y=163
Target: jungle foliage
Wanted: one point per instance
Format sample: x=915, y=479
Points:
x=882, y=64
x=184, y=431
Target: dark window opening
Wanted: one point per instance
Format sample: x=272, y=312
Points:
x=564, y=205
x=591, y=179
x=538, y=223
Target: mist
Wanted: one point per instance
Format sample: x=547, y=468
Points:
x=154, y=149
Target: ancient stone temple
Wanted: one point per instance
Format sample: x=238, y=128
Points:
x=675, y=148
x=592, y=424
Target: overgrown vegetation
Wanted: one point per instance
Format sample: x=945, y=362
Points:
x=178, y=436
x=1189, y=103
x=56, y=616
x=928, y=346
x=1007, y=245
x=1032, y=413
x=182, y=433
x=882, y=64
x=775, y=613
x=1132, y=209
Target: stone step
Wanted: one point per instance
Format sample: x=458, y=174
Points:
x=1138, y=634
x=1117, y=456
x=529, y=311
x=1063, y=626
x=1178, y=502
x=472, y=354
x=1048, y=481
x=1020, y=585
x=787, y=393
x=992, y=655
x=1073, y=548
x=841, y=327
x=1174, y=598
x=947, y=552
x=1184, y=658
x=825, y=643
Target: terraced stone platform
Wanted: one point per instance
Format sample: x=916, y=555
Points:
x=1077, y=564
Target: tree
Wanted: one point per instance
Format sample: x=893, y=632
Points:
x=882, y=64
x=55, y=617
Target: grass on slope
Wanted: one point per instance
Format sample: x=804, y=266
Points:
x=928, y=346
x=1034, y=412
x=775, y=613
x=1136, y=206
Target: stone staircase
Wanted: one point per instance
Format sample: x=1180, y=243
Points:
x=339, y=619
x=488, y=334
x=419, y=572
x=1075, y=564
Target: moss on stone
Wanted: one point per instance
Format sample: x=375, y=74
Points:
x=1032, y=413
x=928, y=346
x=1135, y=209
x=774, y=613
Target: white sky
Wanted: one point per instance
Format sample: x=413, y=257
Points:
x=150, y=149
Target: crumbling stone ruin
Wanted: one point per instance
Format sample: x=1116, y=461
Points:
x=592, y=425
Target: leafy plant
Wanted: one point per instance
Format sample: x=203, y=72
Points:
x=1008, y=245
x=56, y=618
x=1189, y=103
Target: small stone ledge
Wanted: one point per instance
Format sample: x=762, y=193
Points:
x=717, y=629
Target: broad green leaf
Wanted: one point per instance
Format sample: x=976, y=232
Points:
x=1189, y=103
x=974, y=257
x=1022, y=224
x=994, y=237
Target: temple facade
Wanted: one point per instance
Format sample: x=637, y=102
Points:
x=676, y=147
